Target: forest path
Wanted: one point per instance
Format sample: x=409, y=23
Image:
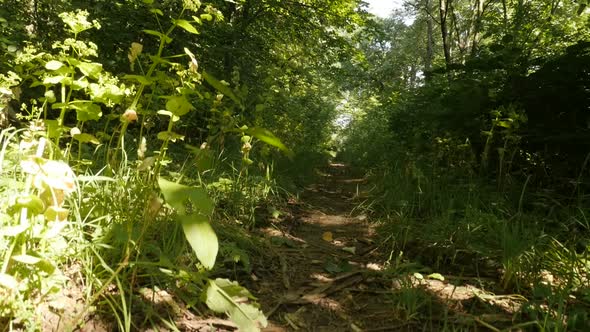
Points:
x=327, y=277
x=333, y=273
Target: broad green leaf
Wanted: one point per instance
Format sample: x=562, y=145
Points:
x=90, y=69
x=53, y=128
x=219, y=299
x=178, y=105
x=156, y=11
x=201, y=237
x=224, y=89
x=169, y=136
x=106, y=93
x=26, y=259
x=13, y=230
x=31, y=202
x=86, y=138
x=141, y=79
x=186, y=25
x=80, y=84
x=206, y=17
x=54, y=79
x=269, y=138
x=54, y=213
x=248, y=318
x=180, y=197
x=233, y=289
x=53, y=65
x=86, y=110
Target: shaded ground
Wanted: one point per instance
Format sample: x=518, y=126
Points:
x=332, y=273
x=324, y=268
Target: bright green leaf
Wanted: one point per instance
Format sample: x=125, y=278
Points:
x=31, y=202
x=186, y=25
x=54, y=79
x=26, y=259
x=436, y=276
x=245, y=316
x=269, y=138
x=178, y=105
x=180, y=196
x=53, y=65
x=90, y=69
x=201, y=237
x=156, y=11
x=86, y=138
x=141, y=79
x=169, y=136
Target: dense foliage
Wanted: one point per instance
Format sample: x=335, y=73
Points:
x=145, y=140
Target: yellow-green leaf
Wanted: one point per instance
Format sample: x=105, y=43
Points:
x=53, y=65
x=186, y=25
x=269, y=138
x=201, y=237
x=178, y=105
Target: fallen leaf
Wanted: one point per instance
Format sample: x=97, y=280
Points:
x=328, y=237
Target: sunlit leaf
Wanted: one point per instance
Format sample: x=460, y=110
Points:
x=141, y=79
x=90, y=69
x=13, y=230
x=53, y=65
x=8, y=281
x=269, y=138
x=178, y=195
x=169, y=136
x=221, y=297
x=26, y=259
x=54, y=79
x=201, y=237
x=31, y=202
x=86, y=138
x=178, y=105
x=54, y=213
x=186, y=25
x=436, y=276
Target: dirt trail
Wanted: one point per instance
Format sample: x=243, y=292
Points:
x=327, y=258
x=329, y=274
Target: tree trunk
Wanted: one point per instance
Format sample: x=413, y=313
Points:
x=430, y=38
x=444, y=7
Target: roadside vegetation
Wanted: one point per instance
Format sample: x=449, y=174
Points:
x=147, y=147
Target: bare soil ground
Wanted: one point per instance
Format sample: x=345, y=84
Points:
x=332, y=274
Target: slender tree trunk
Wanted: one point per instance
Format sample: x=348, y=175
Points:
x=430, y=38
x=505, y=13
x=478, y=13
x=444, y=7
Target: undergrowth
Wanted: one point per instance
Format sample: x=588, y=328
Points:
x=436, y=210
